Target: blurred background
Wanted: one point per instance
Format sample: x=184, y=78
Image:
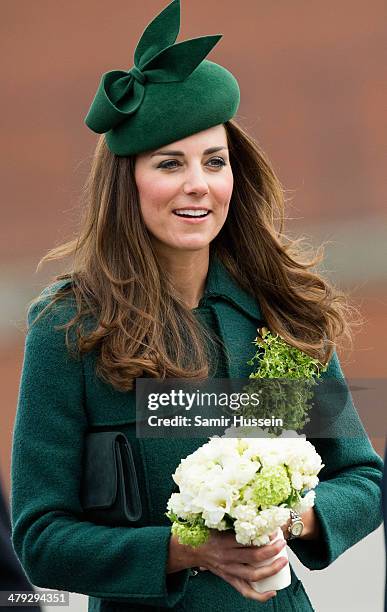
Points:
x=313, y=93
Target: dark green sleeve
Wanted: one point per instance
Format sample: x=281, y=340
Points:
x=56, y=548
x=348, y=497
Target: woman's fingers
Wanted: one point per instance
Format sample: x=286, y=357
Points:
x=253, y=574
x=236, y=564
x=223, y=552
x=254, y=554
x=224, y=538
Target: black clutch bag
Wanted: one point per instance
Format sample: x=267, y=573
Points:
x=109, y=493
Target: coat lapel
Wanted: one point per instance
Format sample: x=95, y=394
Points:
x=238, y=315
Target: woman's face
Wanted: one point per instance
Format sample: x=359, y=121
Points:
x=191, y=177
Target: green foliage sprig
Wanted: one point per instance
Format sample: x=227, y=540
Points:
x=280, y=360
x=290, y=376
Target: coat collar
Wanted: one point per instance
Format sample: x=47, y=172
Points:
x=220, y=284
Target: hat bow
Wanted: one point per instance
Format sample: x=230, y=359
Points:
x=157, y=59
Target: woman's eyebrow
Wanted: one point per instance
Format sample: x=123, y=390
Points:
x=207, y=151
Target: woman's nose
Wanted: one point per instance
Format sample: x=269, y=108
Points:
x=195, y=182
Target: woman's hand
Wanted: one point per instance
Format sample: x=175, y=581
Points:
x=234, y=562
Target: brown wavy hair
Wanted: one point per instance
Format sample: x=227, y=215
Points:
x=143, y=328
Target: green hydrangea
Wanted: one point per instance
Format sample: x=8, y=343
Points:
x=191, y=535
x=272, y=486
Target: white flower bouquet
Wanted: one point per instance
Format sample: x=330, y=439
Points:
x=248, y=485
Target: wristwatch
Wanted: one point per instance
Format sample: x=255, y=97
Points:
x=296, y=525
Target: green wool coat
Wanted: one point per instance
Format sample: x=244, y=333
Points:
x=124, y=568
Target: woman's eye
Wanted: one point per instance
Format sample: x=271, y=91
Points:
x=218, y=159
x=167, y=164
x=164, y=164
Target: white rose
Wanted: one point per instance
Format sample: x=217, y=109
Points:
x=306, y=502
x=297, y=480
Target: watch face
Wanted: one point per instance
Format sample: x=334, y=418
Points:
x=297, y=528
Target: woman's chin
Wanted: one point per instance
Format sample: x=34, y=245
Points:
x=190, y=243
x=192, y=246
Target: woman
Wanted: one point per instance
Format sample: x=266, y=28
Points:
x=176, y=265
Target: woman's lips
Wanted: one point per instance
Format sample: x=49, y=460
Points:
x=192, y=219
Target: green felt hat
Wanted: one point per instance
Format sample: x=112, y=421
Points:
x=170, y=92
